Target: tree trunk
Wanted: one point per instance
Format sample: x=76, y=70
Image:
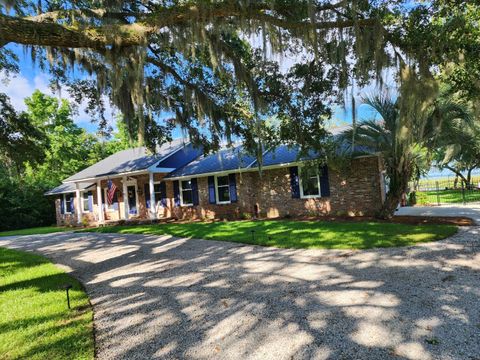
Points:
x=398, y=185
x=390, y=205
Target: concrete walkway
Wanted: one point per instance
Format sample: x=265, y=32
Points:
x=471, y=211
x=165, y=297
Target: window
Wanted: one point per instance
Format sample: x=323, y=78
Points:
x=110, y=207
x=223, y=189
x=85, y=206
x=310, y=186
x=158, y=194
x=186, y=193
x=68, y=201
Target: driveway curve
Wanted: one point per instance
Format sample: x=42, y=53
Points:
x=166, y=297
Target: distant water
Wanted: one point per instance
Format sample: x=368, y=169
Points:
x=437, y=173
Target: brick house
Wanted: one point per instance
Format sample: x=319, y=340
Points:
x=179, y=182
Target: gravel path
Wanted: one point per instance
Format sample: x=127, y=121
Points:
x=164, y=297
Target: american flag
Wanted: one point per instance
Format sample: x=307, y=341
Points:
x=110, y=191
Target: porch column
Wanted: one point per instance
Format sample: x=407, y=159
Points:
x=125, y=197
x=153, y=208
x=99, y=201
x=79, y=203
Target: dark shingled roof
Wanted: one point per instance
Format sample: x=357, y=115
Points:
x=136, y=159
x=223, y=160
x=68, y=188
x=235, y=159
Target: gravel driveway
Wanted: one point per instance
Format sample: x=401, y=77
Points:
x=165, y=297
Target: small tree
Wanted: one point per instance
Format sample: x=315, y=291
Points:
x=404, y=143
x=461, y=151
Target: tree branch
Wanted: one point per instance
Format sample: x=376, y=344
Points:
x=27, y=32
x=42, y=30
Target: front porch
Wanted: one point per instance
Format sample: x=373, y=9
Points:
x=133, y=197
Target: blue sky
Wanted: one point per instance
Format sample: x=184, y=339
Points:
x=31, y=78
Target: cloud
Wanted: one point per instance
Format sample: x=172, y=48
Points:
x=18, y=87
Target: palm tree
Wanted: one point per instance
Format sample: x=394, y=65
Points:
x=404, y=143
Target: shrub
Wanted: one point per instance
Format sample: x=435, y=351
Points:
x=246, y=216
x=412, y=198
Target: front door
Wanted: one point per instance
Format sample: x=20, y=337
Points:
x=132, y=199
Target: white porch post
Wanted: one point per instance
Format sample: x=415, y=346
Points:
x=79, y=203
x=99, y=201
x=153, y=208
x=125, y=197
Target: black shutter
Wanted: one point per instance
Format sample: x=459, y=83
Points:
x=176, y=193
x=324, y=183
x=72, y=204
x=62, y=205
x=212, y=199
x=163, y=193
x=232, y=181
x=147, y=194
x=194, y=191
x=294, y=182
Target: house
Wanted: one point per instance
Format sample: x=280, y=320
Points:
x=179, y=182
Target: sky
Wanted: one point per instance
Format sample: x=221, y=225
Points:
x=22, y=85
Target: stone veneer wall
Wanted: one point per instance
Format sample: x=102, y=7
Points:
x=359, y=191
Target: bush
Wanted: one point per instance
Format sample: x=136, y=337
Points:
x=24, y=205
x=412, y=198
x=246, y=216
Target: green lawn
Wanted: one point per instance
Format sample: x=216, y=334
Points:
x=33, y=231
x=298, y=234
x=35, y=322
x=446, y=196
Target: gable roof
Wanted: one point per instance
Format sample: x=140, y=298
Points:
x=69, y=188
x=126, y=161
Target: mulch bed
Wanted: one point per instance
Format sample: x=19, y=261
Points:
x=418, y=220
x=412, y=220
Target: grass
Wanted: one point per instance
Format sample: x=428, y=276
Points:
x=35, y=322
x=297, y=234
x=33, y=231
x=446, y=196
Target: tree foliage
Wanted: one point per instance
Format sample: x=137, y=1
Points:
x=405, y=144
x=38, y=149
x=193, y=59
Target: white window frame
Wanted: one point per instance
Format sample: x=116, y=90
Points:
x=65, y=211
x=180, y=188
x=158, y=200
x=216, y=190
x=108, y=207
x=83, y=202
x=302, y=196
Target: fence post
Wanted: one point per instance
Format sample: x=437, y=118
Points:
x=438, y=193
x=463, y=193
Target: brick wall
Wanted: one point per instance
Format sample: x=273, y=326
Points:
x=357, y=191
